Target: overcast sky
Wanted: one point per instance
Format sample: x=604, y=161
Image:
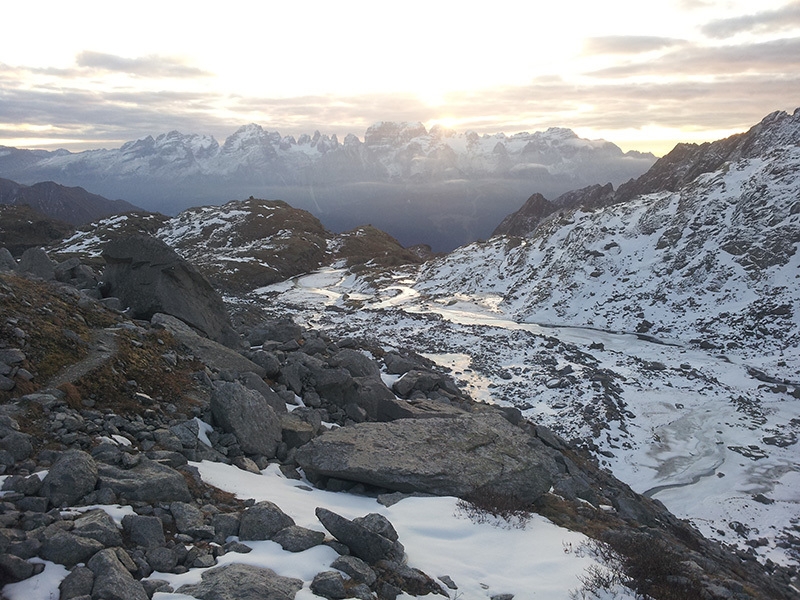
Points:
x=642, y=74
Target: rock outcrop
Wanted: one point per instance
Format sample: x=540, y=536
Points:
x=149, y=277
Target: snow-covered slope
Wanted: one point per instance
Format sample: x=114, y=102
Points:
x=714, y=262
x=660, y=333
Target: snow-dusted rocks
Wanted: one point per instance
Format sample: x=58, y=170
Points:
x=243, y=582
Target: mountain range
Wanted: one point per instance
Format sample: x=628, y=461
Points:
x=646, y=334
x=435, y=187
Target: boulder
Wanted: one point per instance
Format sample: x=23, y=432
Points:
x=70, y=478
x=457, y=456
x=149, y=277
x=356, y=363
x=243, y=582
x=189, y=520
x=98, y=525
x=36, y=262
x=248, y=415
x=78, y=583
x=7, y=262
x=68, y=549
x=148, y=481
x=145, y=531
x=112, y=581
x=262, y=521
x=364, y=543
x=298, y=539
x=355, y=568
x=277, y=330
x=329, y=584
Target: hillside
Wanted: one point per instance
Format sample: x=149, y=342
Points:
x=246, y=244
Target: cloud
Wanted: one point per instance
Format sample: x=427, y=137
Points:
x=628, y=44
x=146, y=66
x=776, y=56
x=781, y=19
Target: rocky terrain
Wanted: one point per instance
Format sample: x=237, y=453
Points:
x=435, y=187
x=110, y=419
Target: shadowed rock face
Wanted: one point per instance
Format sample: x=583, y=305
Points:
x=149, y=277
x=457, y=456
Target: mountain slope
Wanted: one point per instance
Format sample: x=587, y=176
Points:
x=712, y=261
x=72, y=205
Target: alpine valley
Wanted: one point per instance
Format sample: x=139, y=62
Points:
x=609, y=382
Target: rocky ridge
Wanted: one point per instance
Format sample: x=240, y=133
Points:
x=246, y=244
x=126, y=431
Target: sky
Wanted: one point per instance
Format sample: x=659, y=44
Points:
x=644, y=75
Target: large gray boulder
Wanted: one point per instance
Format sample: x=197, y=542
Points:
x=149, y=277
x=36, y=262
x=243, y=582
x=247, y=414
x=457, y=456
x=70, y=478
x=148, y=481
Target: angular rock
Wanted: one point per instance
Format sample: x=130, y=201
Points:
x=363, y=543
x=148, y=481
x=112, y=581
x=249, y=416
x=18, y=445
x=298, y=539
x=36, y=262
x=189, y=520
x=294, y=431
x=243, y=582
x=356, y=363
x=78, y=583
x=457, y=456
x=262, y=521
x=146, y=531
x=70, y=478
x=98, y=525
x=329, y=584
x=149, y=277
x=356, y=568
x=14, y=568
x=254, y=382
x=67, y=549
x=277, y=330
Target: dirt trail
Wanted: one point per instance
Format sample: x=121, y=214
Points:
x=102, y=347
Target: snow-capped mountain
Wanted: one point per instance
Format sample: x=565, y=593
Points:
x=437, y=187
